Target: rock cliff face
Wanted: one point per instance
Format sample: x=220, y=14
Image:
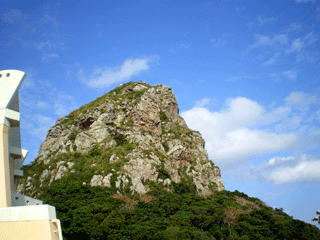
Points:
x=131, y=136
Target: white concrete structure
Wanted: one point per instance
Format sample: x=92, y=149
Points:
x=21, y=217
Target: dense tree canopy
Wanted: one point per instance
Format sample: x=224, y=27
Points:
x=100, y=213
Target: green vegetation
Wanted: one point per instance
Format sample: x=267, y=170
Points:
x=130, y=122
x=120, y=139
x=178, y=131
x=165, y=212
x=99, y=213
x=72, y=136
x=163, y=174
x=95, y=151
x=165, y=146
x=163, y=117
x=317, y=219
x=114, y=95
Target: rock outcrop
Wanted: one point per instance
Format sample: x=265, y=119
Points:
x=131, y=136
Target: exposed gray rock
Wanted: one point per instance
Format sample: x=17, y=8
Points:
x=61, y=171
x=106, y=180
x=44, y=174
x=167, y=182
x=139, y=87
x=96, y=180
x=113, y=158
x=135, y=114
x=70, y=164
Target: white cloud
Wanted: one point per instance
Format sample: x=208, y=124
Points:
x=48, y=44
x=13, y=16
x=277, y=160
x=262, y=40
x=43, y=105
x=294, y=27
x=292, y=169
x=311, y=57
x=180, y=83
x=244, y=129
x=301, y=100
x=305, y=1
x=316, y=14
x=232, y=135
x=315, y=116
x=203, y=102
x=263, y=21
x=291, y=74
x=280, y=170
x=298, y=44
x=48, y=21
x=178, y=48
x=272, y=60
x=47, y=57
x=311, y=38
x=105, y=76
x=238, y=78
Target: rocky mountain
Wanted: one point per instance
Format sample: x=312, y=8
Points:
x=128, y=139
x=126, y=166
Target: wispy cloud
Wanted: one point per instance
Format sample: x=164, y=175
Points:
x=316, y=14
x=229, y=135
x=36, y=106
x=178, y=48
x=221, y=41
x=281, y=170
x=263, y=21
x=64, y=104
x=291, y=74
x=13, y=16
x=29, y=27
x=245, y=129
x=275, y=76
x=305, y=1
x=43, y=105
x=301, y=100
x=311, y=57
x=107, y=75
x=238, y=78
x=47, y=57
x=293, y=27
x=48, y=20
x=298, y=44
x=180, y=83
x=48, y=44
x=272, y=59
x=204, y=102
x=292, y=169
x=262, y=40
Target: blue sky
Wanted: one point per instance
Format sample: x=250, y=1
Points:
x=245, y=74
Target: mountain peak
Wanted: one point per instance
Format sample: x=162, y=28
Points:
x=127, y=139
